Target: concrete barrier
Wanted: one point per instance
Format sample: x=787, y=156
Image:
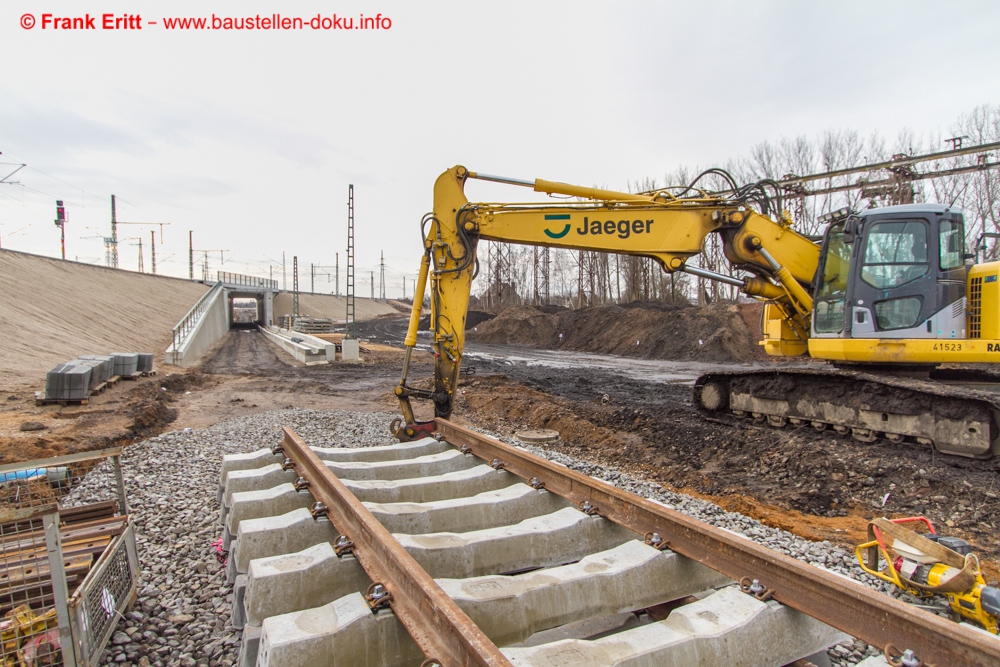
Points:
x=308, y=349
x=350, y=349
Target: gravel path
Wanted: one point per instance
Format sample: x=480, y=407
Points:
x=183, y=612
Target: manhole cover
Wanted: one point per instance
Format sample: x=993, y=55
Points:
x=537, y=435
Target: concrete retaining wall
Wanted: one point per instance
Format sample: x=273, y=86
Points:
x=310, y=350
x=212, y=326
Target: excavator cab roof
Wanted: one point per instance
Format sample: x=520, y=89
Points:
x=911, y=208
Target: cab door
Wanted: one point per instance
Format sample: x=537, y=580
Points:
x=830, y=313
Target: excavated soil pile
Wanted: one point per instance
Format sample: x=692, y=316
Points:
x=473, y=318
x=330, y=306
x=716, y=333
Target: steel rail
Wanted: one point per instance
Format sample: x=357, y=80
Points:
x=845, y=604
x=439, y=627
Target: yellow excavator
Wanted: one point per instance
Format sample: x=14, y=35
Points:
x=889, y=296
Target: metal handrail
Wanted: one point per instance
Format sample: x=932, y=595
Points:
x=243, y=279
x=189, y=321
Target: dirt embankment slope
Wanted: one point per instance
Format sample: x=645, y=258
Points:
x=53, y=310
x=330, y=306
x=716, y=333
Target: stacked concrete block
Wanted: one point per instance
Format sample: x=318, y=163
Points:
x=68, y=382
x=145, y=362
x=96, y=371
x=107, y=365
x=76, y=379
x=126, y=363
x=54, y=382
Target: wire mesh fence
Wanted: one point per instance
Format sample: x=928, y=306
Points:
x=29, y=623
x=69, y=566
x=68, y=481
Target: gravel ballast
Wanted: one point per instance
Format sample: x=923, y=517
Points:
x=182, y=616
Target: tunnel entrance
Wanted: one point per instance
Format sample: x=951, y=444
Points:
x=246, y=312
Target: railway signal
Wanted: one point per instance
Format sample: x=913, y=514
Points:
x=61, y=224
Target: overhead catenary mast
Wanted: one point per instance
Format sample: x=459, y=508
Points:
x=113, y=254
x=351, y=328
x=295, y=285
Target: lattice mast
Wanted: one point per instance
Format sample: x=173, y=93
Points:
x=381, y=278
x=295, y=285
x=352, y=327
x=114, y=236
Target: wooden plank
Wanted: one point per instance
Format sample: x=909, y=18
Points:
x=10, y=517
x=62, y=460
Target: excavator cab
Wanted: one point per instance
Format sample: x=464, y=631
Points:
x=895, y=272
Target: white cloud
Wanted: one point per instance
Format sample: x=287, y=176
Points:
x=251, y=138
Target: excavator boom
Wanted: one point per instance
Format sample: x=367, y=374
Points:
x=871, y=295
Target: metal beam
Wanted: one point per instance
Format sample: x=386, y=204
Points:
x=847, y=605
x=860, y=185
x=889, y=164
x=62, y=460
x=439, y=627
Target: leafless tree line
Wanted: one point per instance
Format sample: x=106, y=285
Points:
x=580, y=278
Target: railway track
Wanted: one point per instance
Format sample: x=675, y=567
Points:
x=466, y=551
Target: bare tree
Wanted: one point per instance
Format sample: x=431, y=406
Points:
x=585, y=278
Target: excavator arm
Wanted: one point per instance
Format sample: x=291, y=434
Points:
x=668, y=229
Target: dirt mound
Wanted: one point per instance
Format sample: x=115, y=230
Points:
x=520, y=325
x=473, y=318
x=330, y=306
x=716, y=333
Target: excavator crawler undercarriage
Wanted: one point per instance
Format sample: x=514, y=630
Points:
x=952, y=410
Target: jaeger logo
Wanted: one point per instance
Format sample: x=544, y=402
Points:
x=564, y=232
x=624, y=228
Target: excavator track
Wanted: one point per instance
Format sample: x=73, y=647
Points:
x=957, y=419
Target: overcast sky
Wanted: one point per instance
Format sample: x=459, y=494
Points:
x=250, y=138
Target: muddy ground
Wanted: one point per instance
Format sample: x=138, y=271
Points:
x=244, y=373
x=818, y=485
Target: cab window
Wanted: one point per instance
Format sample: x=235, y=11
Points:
x=898, y=313
x=828, y=315
x=895, y=254
x=952, y=245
